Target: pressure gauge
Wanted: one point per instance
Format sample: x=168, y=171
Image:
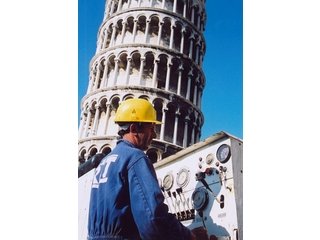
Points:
x=223, y=153
x=167, y=181
x=183, y=177
x=209, y=158
x=200, y=198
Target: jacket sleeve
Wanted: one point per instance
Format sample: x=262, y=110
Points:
x=148, y=208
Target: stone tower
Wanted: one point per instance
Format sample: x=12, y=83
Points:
x=151, y=49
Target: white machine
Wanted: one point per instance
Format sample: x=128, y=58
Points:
x=202, y=185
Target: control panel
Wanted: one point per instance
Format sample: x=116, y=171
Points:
x=202, y=186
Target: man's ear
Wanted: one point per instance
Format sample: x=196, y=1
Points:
x=133, y=128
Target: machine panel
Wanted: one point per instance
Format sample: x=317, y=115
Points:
x=202, y=186
x=84, y=189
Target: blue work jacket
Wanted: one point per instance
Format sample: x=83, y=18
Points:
x=126, y=201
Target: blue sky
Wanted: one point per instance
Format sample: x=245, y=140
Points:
x=223, y=61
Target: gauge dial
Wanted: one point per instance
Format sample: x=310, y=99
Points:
x=223, y=153
x=167, y=181
x=209, y=158
x=183, y=177
x=200, y=198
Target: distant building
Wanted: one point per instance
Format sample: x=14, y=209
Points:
x=151, y=49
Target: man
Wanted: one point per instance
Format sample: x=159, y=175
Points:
x=126, y=200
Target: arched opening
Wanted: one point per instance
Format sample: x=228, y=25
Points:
x=153, y=155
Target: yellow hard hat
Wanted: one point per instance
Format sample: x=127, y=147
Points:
x=136, y=110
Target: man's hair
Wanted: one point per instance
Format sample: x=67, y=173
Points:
x=125, y=127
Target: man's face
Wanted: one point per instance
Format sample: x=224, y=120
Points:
x=145, y=135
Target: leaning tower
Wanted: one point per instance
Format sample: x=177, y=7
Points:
x=151, y=49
